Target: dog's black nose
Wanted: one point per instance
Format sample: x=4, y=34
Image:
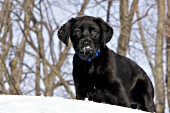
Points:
x=87, y=43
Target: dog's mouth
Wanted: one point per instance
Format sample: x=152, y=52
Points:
x=85, y=53
x=87, y=50
x=88, y=53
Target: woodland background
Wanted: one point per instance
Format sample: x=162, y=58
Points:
x=34, y=62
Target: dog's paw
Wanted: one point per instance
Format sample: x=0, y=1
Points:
x=136, y=105
x=96, y=96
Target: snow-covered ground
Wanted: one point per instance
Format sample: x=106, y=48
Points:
x=34, y=104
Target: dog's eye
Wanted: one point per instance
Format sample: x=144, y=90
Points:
x=78, y=31
x=94, y=32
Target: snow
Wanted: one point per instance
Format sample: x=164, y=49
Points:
x=40, y=104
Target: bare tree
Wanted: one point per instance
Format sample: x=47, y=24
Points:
x=159, y=79
x=157, y=69
x=167, y=34
x=126, y=18
x=31, y=18
x=108, y=10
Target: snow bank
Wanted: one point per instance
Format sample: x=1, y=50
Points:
x=33, y=104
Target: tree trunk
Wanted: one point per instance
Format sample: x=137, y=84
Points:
x=160, y=92
x=37, y=78
x=125, y=20
x=167, y=32
x=144, y=44
x=108, y=10
x=5, y=23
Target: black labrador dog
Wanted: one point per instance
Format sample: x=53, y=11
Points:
x=100, y=74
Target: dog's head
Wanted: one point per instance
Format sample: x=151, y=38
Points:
x=88, y=35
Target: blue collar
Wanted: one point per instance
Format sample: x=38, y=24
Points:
x=91, y=57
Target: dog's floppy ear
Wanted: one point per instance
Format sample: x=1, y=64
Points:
x=64, y=31
x=106, y=29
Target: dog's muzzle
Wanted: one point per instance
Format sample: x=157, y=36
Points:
x=86, y=47
x=87, y=50
x=88, y=55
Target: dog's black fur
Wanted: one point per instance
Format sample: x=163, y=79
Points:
x=107, y=77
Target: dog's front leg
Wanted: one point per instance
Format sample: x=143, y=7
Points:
x=80, y=91
x=106, y=96
x=80, y=96
x=102, y=96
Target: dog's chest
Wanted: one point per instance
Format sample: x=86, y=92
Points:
x=92, y=70
x=96, y=75
x=95, y=70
